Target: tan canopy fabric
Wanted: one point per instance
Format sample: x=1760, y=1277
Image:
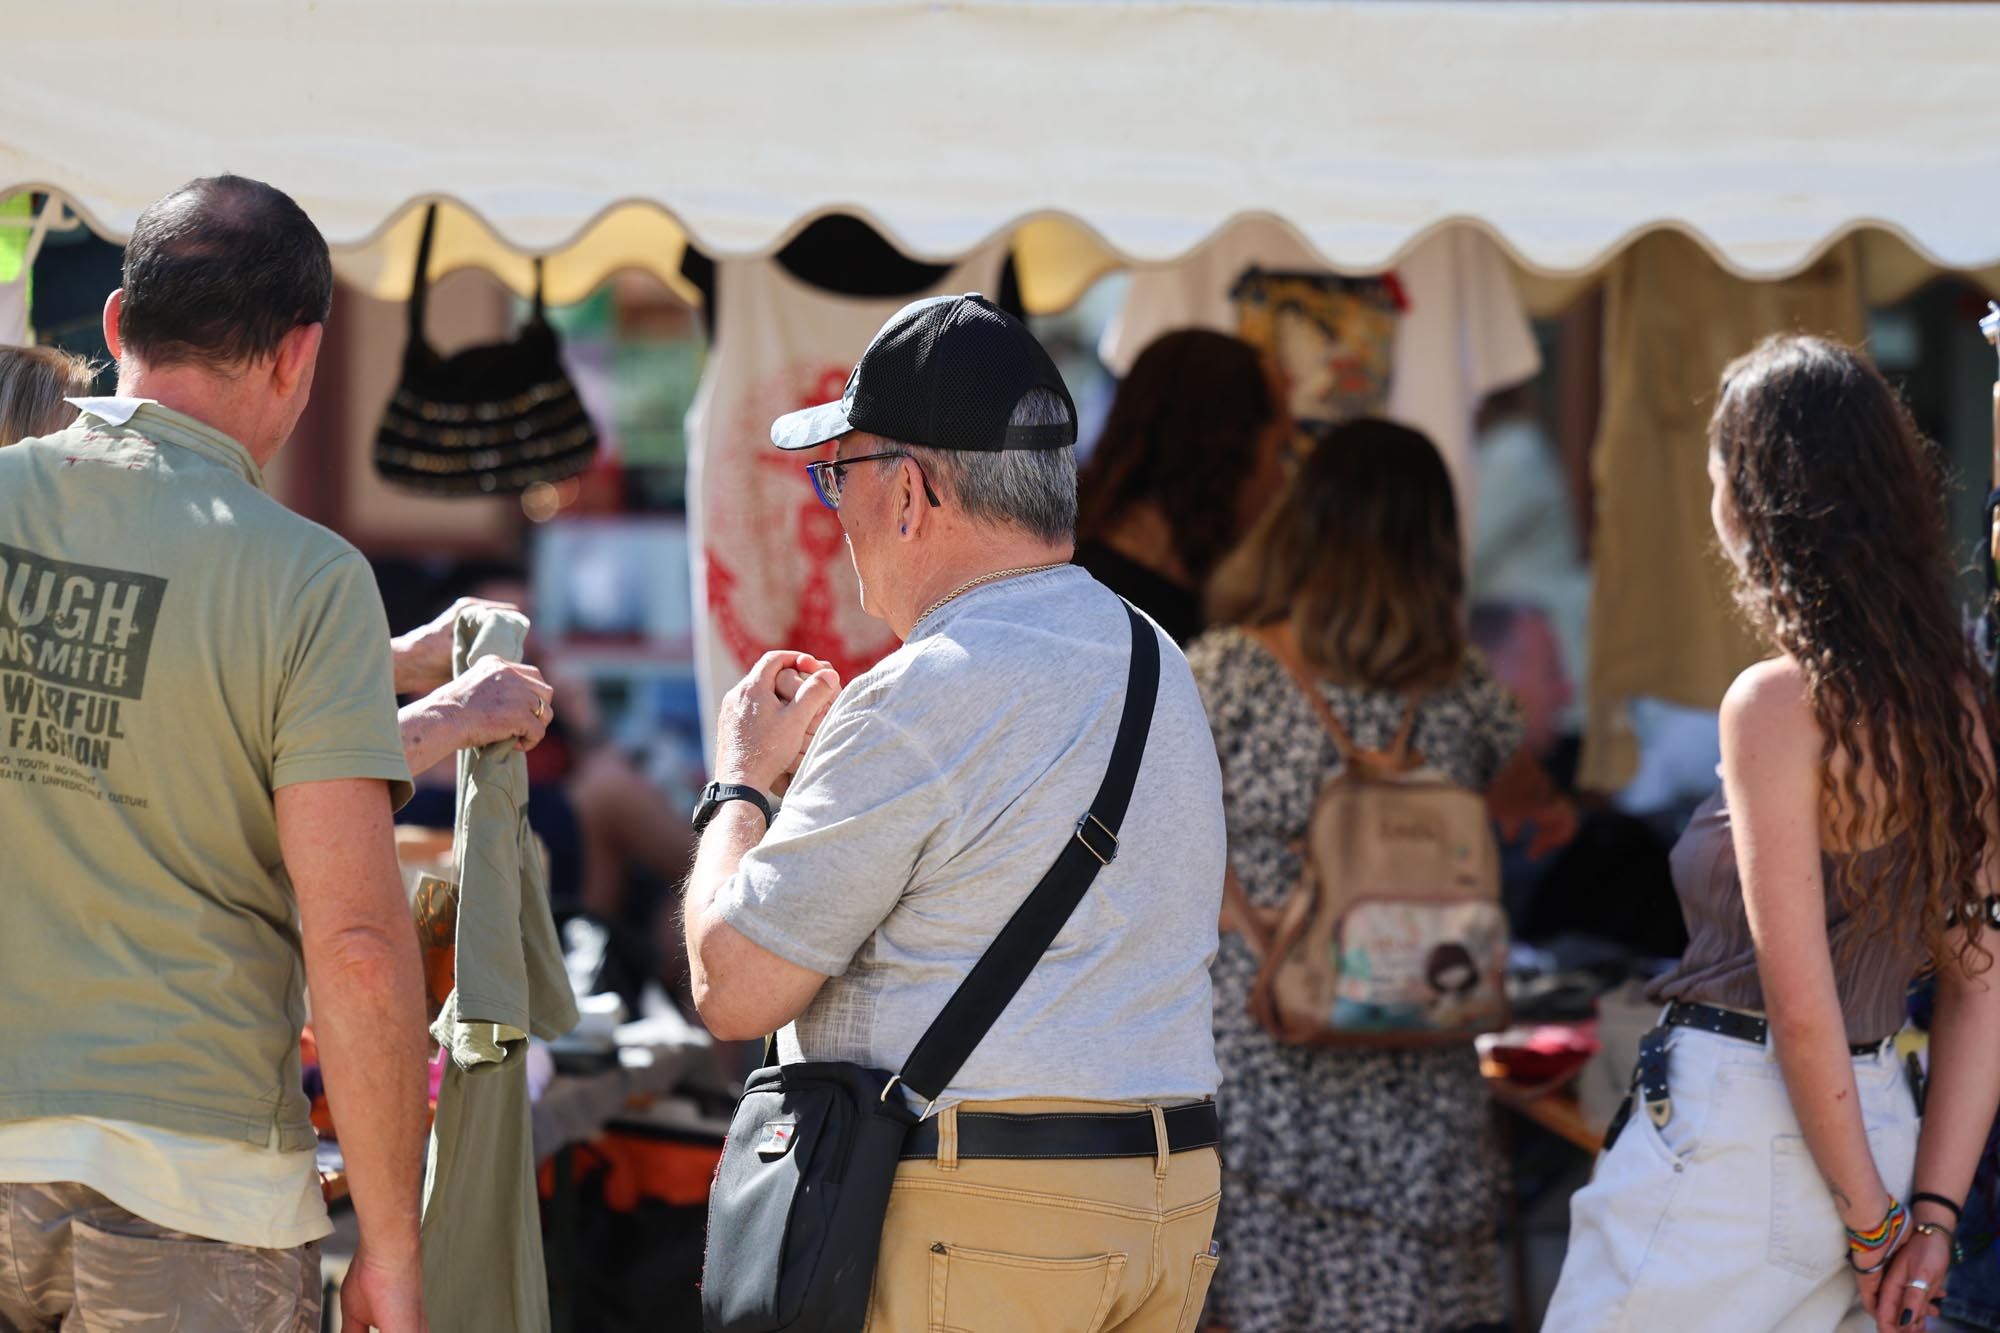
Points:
x=606, y=132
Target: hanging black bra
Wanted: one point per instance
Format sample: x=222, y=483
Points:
x=490, y=420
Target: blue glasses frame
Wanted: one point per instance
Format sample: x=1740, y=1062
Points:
x=828, y=476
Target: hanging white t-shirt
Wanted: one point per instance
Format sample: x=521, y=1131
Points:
x=771, y=569
x=1457, y=332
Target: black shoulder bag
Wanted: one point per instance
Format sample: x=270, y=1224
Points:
x=795, y=1216
x=490, y=420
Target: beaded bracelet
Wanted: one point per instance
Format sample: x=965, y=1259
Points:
x=1882, y=1235
x=1884, y=1240
x=1875, y=1267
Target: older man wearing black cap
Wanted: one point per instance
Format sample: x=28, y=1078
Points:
x=1065, y=1176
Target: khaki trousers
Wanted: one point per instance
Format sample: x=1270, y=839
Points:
x=1053, y=1246
x=71, y=1259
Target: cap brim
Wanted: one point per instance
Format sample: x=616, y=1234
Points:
x=812, y=427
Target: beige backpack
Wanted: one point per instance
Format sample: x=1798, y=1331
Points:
x=1395, y=935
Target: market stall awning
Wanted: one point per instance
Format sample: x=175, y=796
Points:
x=605, y=132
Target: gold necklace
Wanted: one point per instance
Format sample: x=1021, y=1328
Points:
x=983, y=579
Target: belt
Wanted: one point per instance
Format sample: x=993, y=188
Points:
x=1072, y=1134
x=1744, y=1027
x=1649, y=1078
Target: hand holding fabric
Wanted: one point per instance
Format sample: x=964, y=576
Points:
x=423, y=656
x=498, y=700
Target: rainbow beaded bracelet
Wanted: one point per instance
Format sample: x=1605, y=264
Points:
x=1889, y=1230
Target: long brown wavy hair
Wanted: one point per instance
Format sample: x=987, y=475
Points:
x=1839, y=502
x=1361, y=553
x=1183, y=433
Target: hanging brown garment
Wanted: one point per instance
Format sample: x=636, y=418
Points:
x=1662, y=620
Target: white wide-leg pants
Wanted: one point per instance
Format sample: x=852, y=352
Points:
x=1719, y=1222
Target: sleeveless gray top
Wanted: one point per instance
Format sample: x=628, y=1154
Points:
x=1872, y=973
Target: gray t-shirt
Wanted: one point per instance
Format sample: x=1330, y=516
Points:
x=941, y=787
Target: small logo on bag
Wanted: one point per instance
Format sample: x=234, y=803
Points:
x=776, y=1140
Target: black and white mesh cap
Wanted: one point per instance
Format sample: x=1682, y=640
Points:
x=945, y=373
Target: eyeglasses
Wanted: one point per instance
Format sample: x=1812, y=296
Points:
x=830, y=476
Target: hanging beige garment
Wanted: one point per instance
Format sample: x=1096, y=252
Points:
x=1662, y=620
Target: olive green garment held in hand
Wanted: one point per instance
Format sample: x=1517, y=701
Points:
x=482, y=1238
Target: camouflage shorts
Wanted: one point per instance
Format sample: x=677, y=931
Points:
x=71, y=1258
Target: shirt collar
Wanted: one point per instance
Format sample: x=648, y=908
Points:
x=165, y=424
x=117, y=411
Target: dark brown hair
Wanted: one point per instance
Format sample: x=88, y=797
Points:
x=219, y=272
x=1361, y=553
x=1840, y=505
x=1182, y=433
x=33, y=383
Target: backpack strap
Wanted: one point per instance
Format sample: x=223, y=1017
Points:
x=1279, y=645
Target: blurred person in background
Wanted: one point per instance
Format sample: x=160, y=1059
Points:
x=1527, y=547
x=1611, y=883
x=1192, y=452
x=1364, y=1188
x=35, y=384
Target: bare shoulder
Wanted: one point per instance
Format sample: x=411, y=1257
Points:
x=1767, y=713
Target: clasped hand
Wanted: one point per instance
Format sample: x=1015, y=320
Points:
x=770, y=717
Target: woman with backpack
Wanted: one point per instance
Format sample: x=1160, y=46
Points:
x=1773, y=1172
x=1364, y=1184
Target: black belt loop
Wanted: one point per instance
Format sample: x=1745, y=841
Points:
x=1651, y=1078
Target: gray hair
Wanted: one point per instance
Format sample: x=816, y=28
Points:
x=1030, y=489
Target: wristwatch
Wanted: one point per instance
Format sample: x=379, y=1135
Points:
x=718, y=794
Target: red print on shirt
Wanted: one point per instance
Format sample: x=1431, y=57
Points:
x=778, y=572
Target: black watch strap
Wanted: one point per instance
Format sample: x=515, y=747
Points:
x=718, y=794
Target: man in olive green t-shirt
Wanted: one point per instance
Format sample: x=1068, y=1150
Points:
x=199, y=752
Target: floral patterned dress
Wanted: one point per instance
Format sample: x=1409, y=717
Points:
x=1363, y=1189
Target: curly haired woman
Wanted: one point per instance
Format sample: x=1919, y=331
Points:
x=1774, y=1173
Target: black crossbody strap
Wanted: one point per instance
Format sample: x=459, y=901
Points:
x=991, y=985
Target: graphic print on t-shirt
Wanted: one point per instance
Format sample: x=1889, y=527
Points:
x=75, y=641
